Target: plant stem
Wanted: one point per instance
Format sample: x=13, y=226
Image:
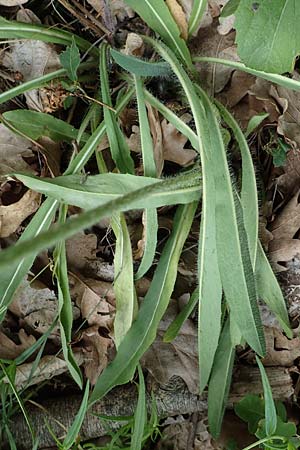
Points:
x=262, y=441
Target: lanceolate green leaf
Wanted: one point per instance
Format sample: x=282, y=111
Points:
x=70, y=60
x=36, y=124
x=270, y=409
x=158, y=17
x=232, y=243
x=119, y=149
x=140, y=67
x=220, y=380
x=96, y=190
x=272, y=40
x=12, y=274
x=150, y=221
x=140, y=415
x=123, y=282
x=143, y=331
x=87, y=219
x=177, y=323
x=10, y=29
x=196, y=15
x=286, y=82
x=210, y=289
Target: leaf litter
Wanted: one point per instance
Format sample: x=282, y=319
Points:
x=35, y=307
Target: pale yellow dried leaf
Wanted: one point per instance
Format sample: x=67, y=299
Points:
x=179, y=17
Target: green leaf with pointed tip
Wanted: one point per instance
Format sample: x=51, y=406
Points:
x=140, y=67
x=197, y=12
x=70, y=60
x=96, y=190
x=140, y=414
x=220, y=381
x=157, y=16
x=174, y=327
x=230, y=8
x=254, y=122
x=270, y=409
x=143, y=331
x=272, y=40
x=36, y=124
x=251, y=409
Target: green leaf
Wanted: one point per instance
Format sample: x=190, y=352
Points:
x=12, y=255
x=197, y=12
x=272, y=40
x=220, y=381
x=279, y=154
x=251, y=409
x=254, y=122
x=174, y=327
x=96, y=190
x=158, y=17
x=140, y=67
x=230, y=8
x=143, y=331
x=9, y=29
x=270, y=409
x=286, y=82
x=140, y=415
x=283, y=429
x=74, y=430
x=120, y=151
x=36, y=124
x=70, y=60
x=124, y=289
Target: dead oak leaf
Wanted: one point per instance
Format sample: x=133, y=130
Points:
x=287, y=223
x=283, y=251
x=178, y=358
x=173, y=145
x=10, y=350
x=95, y=349
x=13, y=215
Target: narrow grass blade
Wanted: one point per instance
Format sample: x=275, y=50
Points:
x=173, y=119
x=10, y=29
x=186, y=182
x=140, y=415
x=269, y=290
x=74, y=430
x=143, y=331
x=274, y=78
x=220, y=380
x=96, y=190
x=119, y=149
x=139, y=67
x=210, y=288
x=158, y=17
x=196, y=15
x=124, y=289
x=36, y=124
x=150, y=170
x=12, y=275
x=65, y=305
x=174, y=327
x=270, y=408
x=232, y=243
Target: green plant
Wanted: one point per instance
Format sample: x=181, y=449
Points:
x=230, y=256
x=267, y=419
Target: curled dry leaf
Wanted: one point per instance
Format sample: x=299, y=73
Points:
x=134, y=45
x=12, y=216
x=179, y=17
x=10, y=350
x=178, y=358
x=95, y=349
x=174, y=142
x=31, y=59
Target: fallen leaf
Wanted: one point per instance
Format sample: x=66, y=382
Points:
x=118, y=8
x=178, y=358
x=32, y=59
x=156, y=133
x=289, y=181
x=95, y=349
x=13, y=149
x=134, y=45
x=12, y=2
x=179, y=17
x=174, y=142
x=287, y=222
x=13, y=215
x=283, y=251
x=10, y=350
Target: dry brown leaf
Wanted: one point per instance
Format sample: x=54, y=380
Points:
x=156, y=132
x=287, y=223
x=179, y=17
x=12, y=2
x=118, y=8
x=11, y=350
x=134, y=45
x=289, y=182
x=13, y=149
x=31, y=59
x=80, y=249
x=282, y=251
x=95, y=353
x=12, y=216
x=173, y=144
x=178, y=358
